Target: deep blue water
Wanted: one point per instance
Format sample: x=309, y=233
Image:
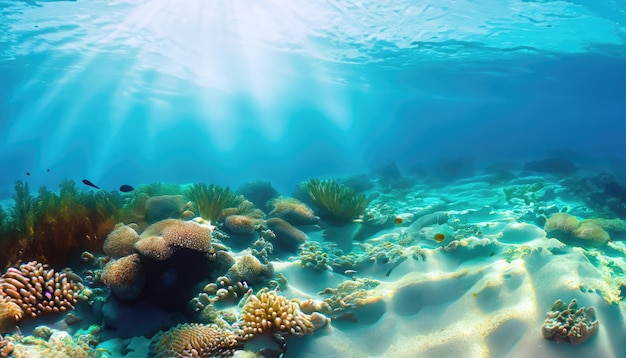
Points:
x=90, y=90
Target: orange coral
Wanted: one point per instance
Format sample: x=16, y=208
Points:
x=161, y=239
x=241, y=224
x=120, y=241
x=194, y=340
x=125, y=277
x=10, y=313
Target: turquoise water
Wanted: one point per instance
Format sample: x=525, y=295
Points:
x=435, y=93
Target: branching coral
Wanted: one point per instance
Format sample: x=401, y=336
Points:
x=213, y=199
x=195, y=341
x=337, y=202
x=37, y=289
x=269, y=312
x=568, y=323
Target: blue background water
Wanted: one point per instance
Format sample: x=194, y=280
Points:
x=227, y=92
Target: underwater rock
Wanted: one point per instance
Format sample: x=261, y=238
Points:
x=259, y=193
x=164, y=207
x=568, y=323
x=287, y=236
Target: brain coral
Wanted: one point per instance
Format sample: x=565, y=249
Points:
x=194, y=340
x=125, y=277
x=161, y=239
x=568, y=323
x=120, y=241
x=267, y=311
x=36, y=289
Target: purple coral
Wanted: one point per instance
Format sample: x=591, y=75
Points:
x=568, y=323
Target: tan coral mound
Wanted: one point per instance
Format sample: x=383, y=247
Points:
x=241, y=224
x=125, y=277
x=194, y=340
x=120, y=241
x=36, y=289
x=161, y=239
x=293, y=211
x=268, y=312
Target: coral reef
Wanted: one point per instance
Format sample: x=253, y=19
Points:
x=6, y=347
x=568, y=323
x=37, y=289
x=351, y=294
x=52, y=343
x=337, y=202
x=120, y=241
x=567, y=228
x=125, y=277
x=161, y=239
x=269, y=312
x=293, y=211
x=194, y=340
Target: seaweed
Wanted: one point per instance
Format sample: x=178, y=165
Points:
x=337, y=202
x=212, y=201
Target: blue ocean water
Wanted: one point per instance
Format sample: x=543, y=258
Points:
x=229, y=92
x=135, y=92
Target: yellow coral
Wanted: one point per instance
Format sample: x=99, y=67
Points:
x=293, y=211
x=563, y=222
x=195, y=341
x=10, y=313
x=267, y=311
x=120, y=241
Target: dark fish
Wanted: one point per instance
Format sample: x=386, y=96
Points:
x=126, y=188
x=27, y=173
x=87, y=182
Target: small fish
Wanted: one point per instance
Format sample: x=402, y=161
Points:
x=87, y=182
x=27, y=173
x=126, y=188
x=349, y=272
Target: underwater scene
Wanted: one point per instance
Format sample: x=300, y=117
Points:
x=211, y=178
